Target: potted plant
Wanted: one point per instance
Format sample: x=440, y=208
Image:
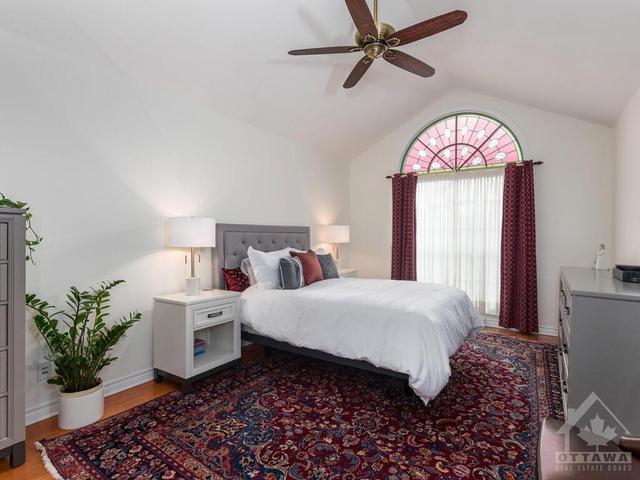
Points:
x=80, y=342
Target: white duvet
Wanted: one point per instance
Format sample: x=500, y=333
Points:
x=407, y=327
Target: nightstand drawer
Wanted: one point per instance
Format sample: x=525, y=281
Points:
x=206, y=317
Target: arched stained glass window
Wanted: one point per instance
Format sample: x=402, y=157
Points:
x=462, y=141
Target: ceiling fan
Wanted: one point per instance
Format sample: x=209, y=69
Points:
x=377, y=39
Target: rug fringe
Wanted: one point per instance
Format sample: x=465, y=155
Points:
x=48, y=465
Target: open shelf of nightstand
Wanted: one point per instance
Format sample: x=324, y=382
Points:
x=219, y=341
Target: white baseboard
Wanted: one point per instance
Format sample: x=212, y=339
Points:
x=491, y=321
x=547, y=330
x=50, y=409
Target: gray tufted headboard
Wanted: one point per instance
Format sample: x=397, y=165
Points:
x=233, y=241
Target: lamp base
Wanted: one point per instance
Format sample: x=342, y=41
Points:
x=192, y=286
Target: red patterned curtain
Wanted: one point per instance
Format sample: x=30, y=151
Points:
x=403, y=250
x=518, y=283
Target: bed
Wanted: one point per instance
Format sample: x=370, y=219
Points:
x=406, y=330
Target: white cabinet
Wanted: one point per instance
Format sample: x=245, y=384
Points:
x=194, y=336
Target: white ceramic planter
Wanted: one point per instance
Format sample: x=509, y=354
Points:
x=79, y=409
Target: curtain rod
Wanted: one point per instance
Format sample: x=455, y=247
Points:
x=490, y=167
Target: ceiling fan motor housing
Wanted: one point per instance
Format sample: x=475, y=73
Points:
x=375, y=47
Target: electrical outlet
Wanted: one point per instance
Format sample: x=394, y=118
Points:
x=44, y=370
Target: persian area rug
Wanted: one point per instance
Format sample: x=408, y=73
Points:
x=292, y=417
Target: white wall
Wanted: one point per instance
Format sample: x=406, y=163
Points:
x=573, y=189
x=104, y=161
x=627, y=192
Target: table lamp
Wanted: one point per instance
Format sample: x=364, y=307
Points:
x=337, y=234
x=192, y=233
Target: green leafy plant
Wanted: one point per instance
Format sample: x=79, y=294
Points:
x=79, y=338
x=33, y=239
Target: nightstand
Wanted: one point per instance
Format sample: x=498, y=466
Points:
x=348, y=272
x=208, y=323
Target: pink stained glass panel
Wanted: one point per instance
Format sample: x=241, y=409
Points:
x=460, y=141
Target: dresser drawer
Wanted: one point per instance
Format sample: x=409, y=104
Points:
x=4, y=282
x=565, y=305
x=564, y=373
x=563, y=368
x=565, y=294
x=4, y=327
x=565, y=315
x=563, y=340
x=4, y=241
x=4, y=372
x=563, y=333
x=213, y=315
x=4, y=419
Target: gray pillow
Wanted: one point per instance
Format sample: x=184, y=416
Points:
x=247, y=269
x=290, y=273
x=328, y=266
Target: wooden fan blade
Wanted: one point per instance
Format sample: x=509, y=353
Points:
x=325, y=50
x=409, y=63
x=427, y=28
x=358, y=72
x=362, y=18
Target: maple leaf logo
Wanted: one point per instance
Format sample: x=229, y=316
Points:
x=596, y=434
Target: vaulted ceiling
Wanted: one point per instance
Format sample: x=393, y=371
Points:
x=576, y=57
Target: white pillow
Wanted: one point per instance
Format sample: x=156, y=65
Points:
x=247, y=269
x=265, y=266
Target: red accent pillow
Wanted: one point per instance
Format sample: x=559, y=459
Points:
x=236, y=280
x=311, y=268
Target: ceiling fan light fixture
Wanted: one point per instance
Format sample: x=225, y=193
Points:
x=375, y=50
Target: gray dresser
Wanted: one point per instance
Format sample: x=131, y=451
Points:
x=12, y=343
x=599, y=331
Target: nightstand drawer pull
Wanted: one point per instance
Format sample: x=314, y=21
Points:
x=214, y=315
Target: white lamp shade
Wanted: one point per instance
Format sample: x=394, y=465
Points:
x=192, y=232
x=337, y=234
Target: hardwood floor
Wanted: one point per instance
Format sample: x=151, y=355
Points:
x=33, y=468
x=523, y=336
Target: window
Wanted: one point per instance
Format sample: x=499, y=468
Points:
x=462, y=141
x=459, y=215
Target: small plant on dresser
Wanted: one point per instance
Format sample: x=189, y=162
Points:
x=32, y=239
x=80, y=342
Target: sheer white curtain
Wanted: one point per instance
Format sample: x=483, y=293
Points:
x=458, y=233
